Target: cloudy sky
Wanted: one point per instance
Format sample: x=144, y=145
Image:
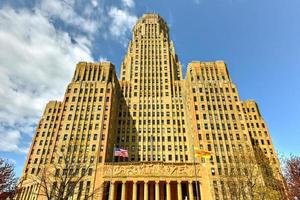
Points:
x=42, y=40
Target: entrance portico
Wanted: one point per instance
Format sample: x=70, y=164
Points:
x=150, y=190
x=153, y=181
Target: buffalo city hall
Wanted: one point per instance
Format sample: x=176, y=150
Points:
x=190, y=138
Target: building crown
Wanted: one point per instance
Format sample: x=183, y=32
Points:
x=150, y=24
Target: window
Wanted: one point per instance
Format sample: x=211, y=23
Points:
x=213, y=172
x=57, y=172
x=90, y=171
x=209, y=147
x=65, y=137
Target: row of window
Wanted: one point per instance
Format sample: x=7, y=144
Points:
x=217, y=107
x=226, y=147
x=152, y=106
x=220, y=136
x=217, y=126
x=154, y=158
x=50, y=110
x=213, y=99
x=152, y=114
x=85, y=117
x=151, y=138
x=88, y=90
x=158, y=130
x=87, y=108
x=87, y=99
x=74, y=172
x=81, y=148
x=218, y=116
x=82, y=136
x=151, y=122
x=204, y=79
x=212, y=90
x=158, y=148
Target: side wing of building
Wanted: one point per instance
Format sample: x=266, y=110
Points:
x=74, y=136
x=229, y=129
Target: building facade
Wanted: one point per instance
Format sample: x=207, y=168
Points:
x=155, y=114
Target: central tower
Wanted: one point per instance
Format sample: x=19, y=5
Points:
x=152, y=114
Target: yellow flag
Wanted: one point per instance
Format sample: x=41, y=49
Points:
x=199, y=153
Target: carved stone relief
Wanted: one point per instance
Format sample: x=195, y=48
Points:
x=150, y=170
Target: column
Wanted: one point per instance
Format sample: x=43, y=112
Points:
x=191, y=194
x=145, y=190
x=179, y=190
x=112, y=191
x=168, y=190
x=101, y=192
x=134, y=191
x=123, y=194
x=156, y=190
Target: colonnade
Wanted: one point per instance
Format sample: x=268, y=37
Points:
x=151, y=190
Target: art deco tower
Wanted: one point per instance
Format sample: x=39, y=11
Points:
x=152, y=117
x=160, y=118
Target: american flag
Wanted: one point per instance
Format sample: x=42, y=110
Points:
x=120, y=152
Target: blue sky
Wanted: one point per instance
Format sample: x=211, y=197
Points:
x=41, y=41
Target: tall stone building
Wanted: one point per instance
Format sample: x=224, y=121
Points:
x=157, y=116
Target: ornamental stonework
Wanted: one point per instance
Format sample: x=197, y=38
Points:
x=151, y=170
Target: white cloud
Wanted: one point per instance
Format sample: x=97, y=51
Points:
x=10, y=142
x=94, y=3
x=122, y=22
x=36, y=62
x=102, y=59
x=128, y=3
x=85, y=20
x=37, y=58
x=12, y=138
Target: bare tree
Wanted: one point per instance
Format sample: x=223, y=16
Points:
x=292, y=176
x=252, y=178
x=8, y=181
x=63, y=179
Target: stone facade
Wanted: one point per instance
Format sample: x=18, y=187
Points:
x=156, y=115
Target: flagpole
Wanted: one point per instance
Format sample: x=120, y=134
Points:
x=196, y=174
x=112, y=171
x=194, y=122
